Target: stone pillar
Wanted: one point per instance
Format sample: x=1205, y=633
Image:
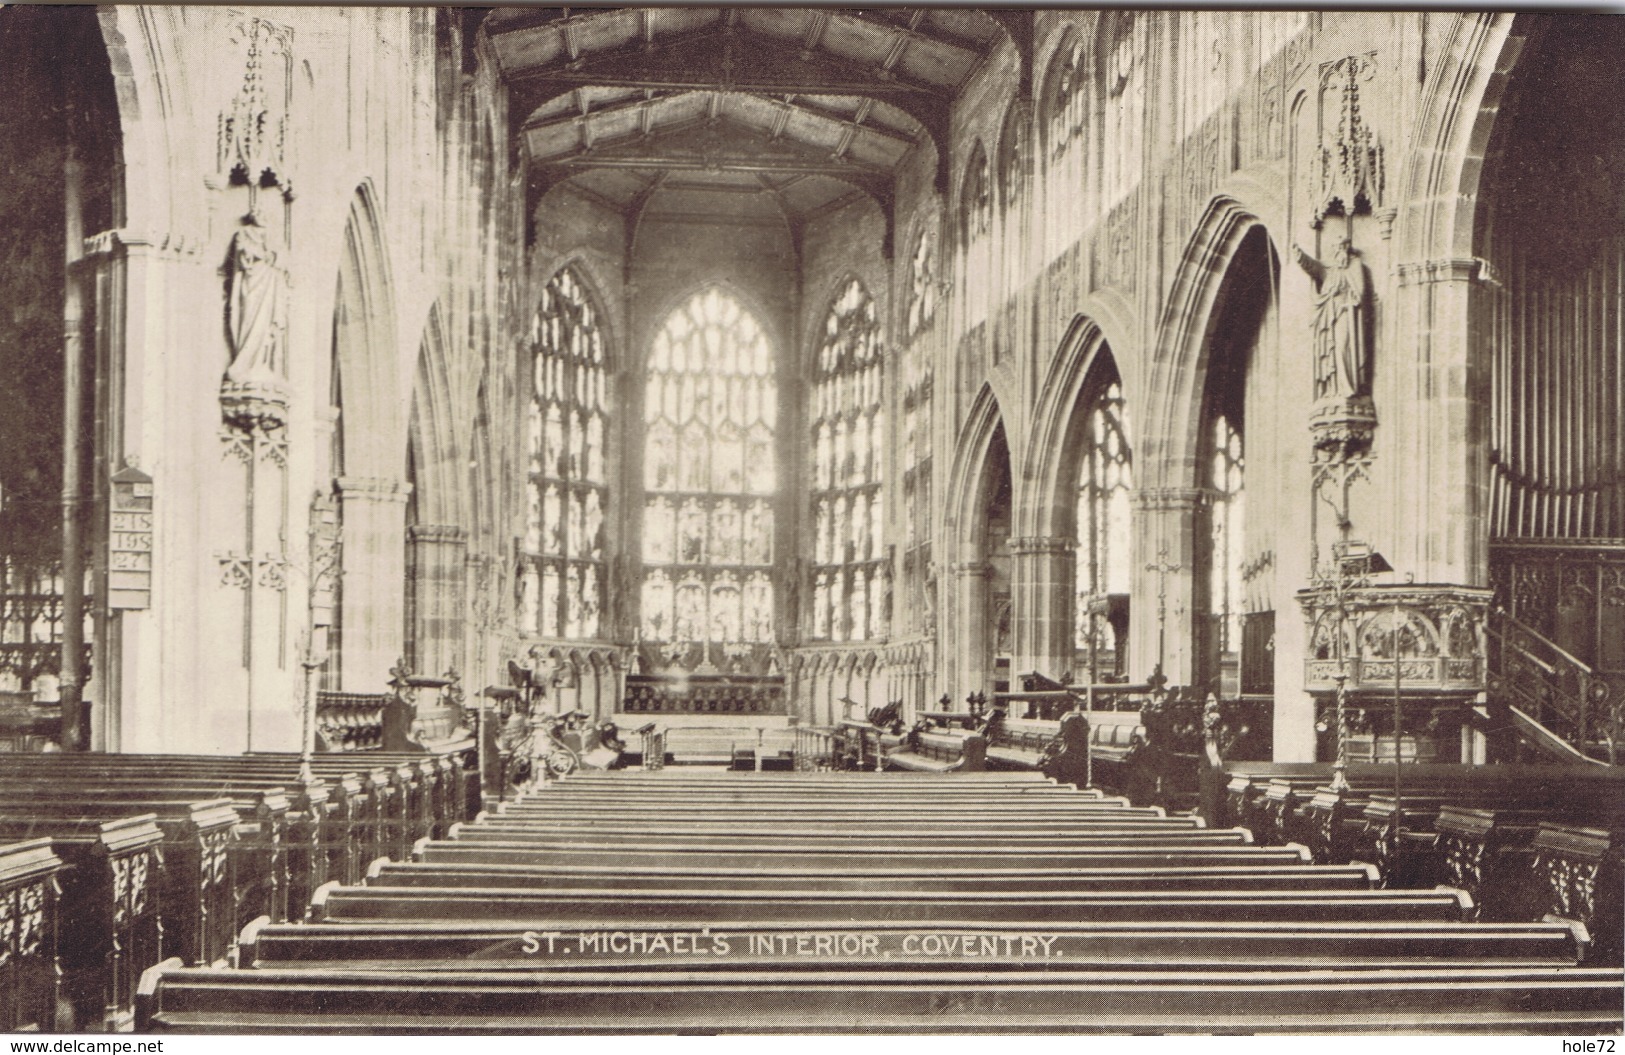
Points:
x=971, y=668
x=1042, y=592
x=373, y=514
x=1162, y=613
x=1435, y=451
x=438, y=571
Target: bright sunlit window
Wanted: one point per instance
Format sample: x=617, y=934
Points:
x=710, y=408
x=850, y=589
x=563, y=578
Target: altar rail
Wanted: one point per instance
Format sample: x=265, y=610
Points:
x=704, y=694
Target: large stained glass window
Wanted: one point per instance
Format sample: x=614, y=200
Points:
x=562, y=587
x=916, y=439
x=1105, y=479
x=851, y=597
x=710, y=407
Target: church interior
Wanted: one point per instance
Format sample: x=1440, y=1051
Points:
x=771, y=519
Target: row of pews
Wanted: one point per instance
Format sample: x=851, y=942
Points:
x=1522, y=841
x=1107, y=749
x=677, y=902
x=112, y=863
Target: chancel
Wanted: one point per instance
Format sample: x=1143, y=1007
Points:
x=770, y=519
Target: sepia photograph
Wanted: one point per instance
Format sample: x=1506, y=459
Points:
x=700, y=520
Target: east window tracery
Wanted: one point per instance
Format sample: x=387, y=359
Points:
x=710, y=409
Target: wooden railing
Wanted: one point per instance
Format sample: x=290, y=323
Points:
x=815, y=748
x=654, y=747
x=718, y=694
x=1556, y=688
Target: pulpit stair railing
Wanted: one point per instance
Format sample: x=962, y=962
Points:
x=1556, y=688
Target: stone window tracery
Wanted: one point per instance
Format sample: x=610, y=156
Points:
x=922, y=299
x=1106, y=478
x=1064, y=105
x=568, y=495
x=976, y=197
x=849, y=446
x=1123, y=90
x=710, y=409
x=1012, y=158
x=1226, y=478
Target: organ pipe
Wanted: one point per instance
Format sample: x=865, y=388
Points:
x=1557, y=399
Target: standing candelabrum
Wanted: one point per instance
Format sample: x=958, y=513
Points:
x=1163, y=569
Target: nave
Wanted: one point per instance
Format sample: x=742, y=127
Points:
x=200, y=896
x=751, y=902
x=1218, y=411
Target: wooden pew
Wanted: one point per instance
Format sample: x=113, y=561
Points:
x=259, y=870
x=764, y=945
x=1283, y=815
x=1403, y=1000
x=661, y=811
x=1109, y=851
x=29, y=874
x=632, y=778
x=1114, y=843
x=197, y=890
x=1207, y=877
x=452, y=787
x=703, y=906
x=1339, y=824
x=1020, y=743
x=928, y=752
x=1581, y=872
x=790, y=821
x=108, y=913
x=334, y=825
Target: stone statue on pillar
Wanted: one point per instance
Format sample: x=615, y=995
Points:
x=1343, y=415
x=254, y=390
x=1339, y=326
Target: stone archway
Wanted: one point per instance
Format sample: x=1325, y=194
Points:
x=372, y=487
x=438, y=515
x=975, y=574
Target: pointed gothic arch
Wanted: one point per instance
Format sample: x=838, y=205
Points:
x=373, y=435
x=974, y=585
x=1176, y=371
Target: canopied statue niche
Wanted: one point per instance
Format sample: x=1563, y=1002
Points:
x=252, y=157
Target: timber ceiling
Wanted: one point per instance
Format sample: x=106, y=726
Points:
x=767, y=114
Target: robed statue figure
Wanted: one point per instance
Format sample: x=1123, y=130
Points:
x=256, y=307
x=1339, y=325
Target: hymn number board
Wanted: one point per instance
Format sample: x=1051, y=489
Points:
x=129, y=564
